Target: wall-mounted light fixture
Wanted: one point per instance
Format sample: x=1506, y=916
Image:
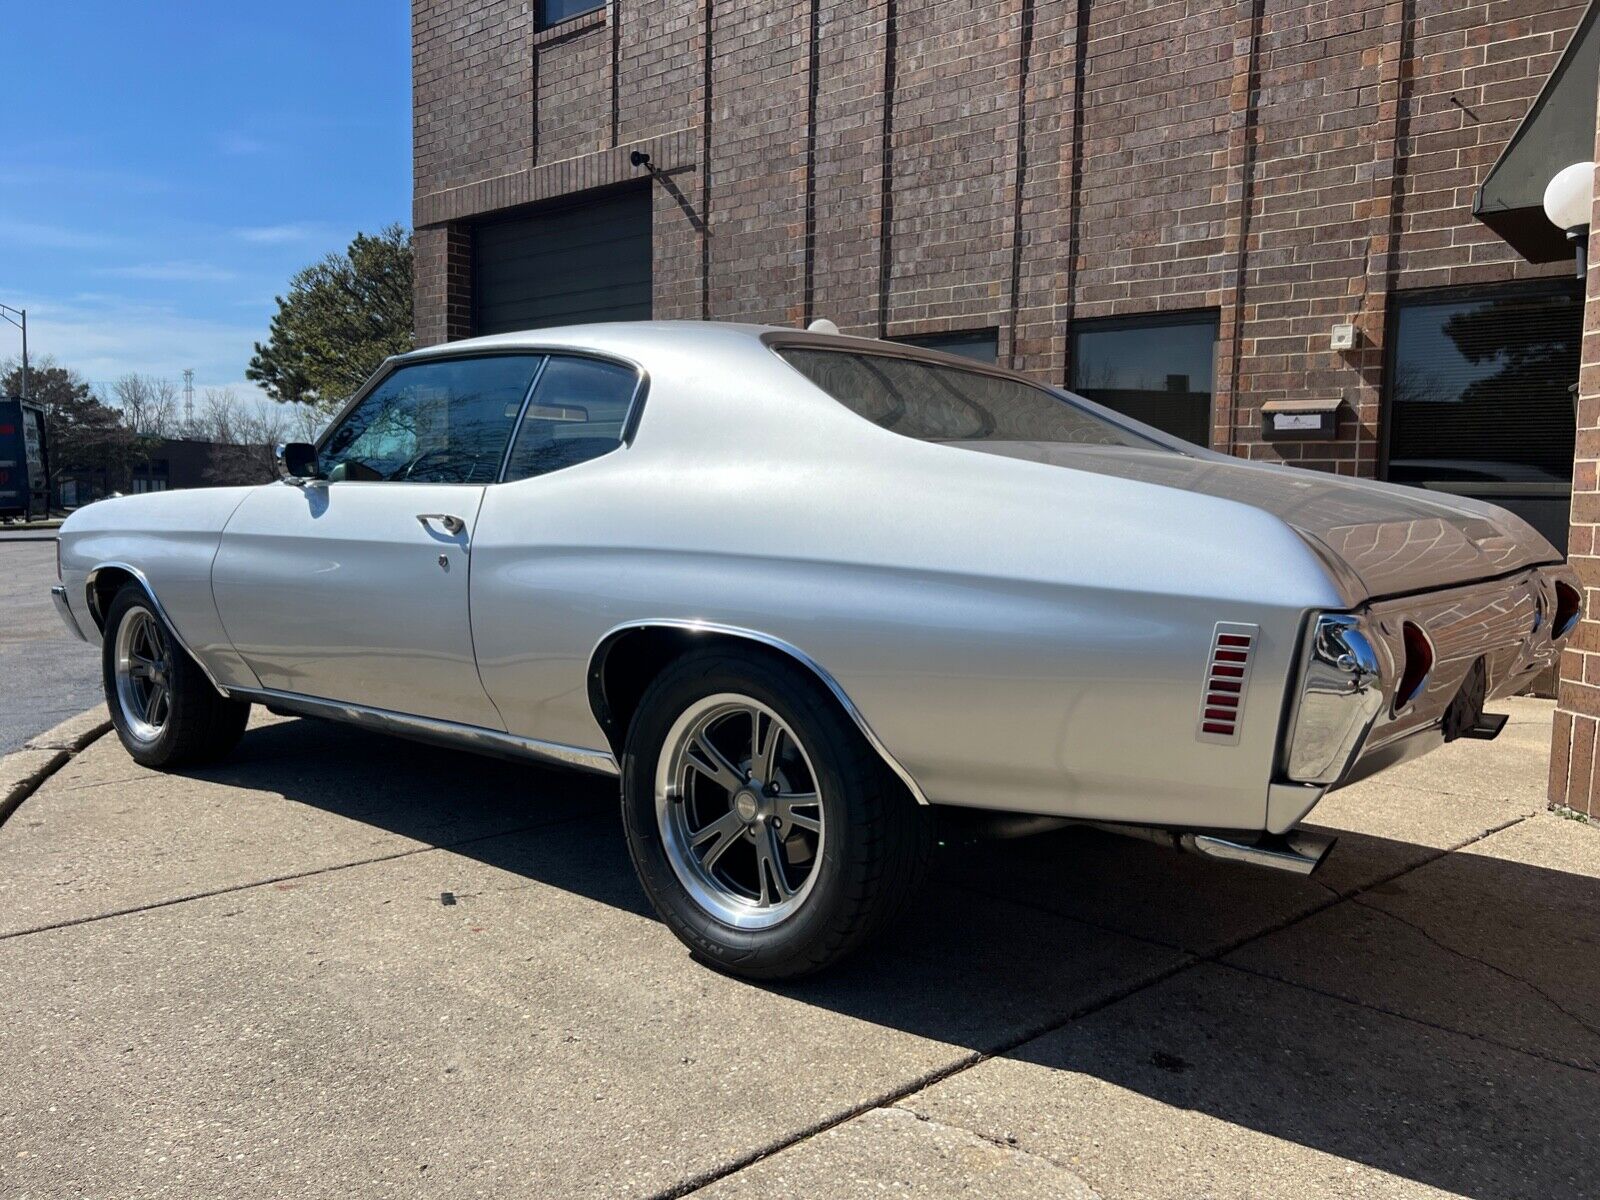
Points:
x=1569, y=203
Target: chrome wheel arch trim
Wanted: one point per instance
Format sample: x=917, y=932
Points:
x=432, y=729
x=155, y=602
x=602, y=649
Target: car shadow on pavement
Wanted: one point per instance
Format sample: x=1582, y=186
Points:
x=1435, y=1017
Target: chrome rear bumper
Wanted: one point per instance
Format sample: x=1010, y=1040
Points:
x=1346, y=722
x=58, y=593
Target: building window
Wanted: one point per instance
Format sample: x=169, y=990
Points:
x=1479, y=396
x=1160, y=369
x=553, y=12
x=982, y=345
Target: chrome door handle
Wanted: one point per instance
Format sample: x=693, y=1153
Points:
x=452, y=525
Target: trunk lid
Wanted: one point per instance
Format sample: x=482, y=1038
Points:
x=1393, y=539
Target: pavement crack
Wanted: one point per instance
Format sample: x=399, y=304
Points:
x=1385, y=1010
x=1003, y=1142
x=278, y=879
x=1153, y=979
x=1467, y=956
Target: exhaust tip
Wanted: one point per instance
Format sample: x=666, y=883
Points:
x=1299, y=851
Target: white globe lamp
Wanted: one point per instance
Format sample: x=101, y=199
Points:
x=1569, y=203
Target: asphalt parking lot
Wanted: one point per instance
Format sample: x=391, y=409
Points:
x=46, y=674
x=342, y=965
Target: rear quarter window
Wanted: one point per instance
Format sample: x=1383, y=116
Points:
x=936, y=403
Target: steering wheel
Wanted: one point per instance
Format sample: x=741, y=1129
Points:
x=446, y=459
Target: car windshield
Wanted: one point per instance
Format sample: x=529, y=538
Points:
x=936, y=403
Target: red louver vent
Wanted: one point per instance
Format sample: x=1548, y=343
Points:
x=1227, y=677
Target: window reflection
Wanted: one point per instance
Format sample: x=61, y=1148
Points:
x=433, y=422
x=980, y=345
x=1479, y=396
x=1159, y=370
x=578, y=411
x=947, y=404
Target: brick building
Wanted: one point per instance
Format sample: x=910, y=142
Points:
x=1169, y=205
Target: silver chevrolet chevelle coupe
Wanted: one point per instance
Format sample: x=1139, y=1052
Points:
x=799, y=592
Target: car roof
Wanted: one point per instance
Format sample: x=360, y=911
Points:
x=628, y=338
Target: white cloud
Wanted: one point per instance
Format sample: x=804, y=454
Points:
x=236, y=143
x=171, y=272
x=107, y=337
x=16, y=176
x=272, y=235
x=39, y=235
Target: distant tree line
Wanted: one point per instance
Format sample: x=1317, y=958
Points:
x=110, y=432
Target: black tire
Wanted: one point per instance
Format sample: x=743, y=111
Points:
x=878, y=841
x=198, y=725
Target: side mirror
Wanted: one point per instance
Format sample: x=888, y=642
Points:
x=298, y=461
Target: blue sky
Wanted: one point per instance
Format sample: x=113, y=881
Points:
x=165, y=167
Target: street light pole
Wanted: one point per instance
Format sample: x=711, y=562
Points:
x=5, y=311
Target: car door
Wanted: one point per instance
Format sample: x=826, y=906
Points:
x=354, y=588
x=536, y=615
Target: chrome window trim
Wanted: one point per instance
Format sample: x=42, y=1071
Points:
x=602, y=648
x=393, y=365
x=522, y=411
x=630, y=420
x=432, y=729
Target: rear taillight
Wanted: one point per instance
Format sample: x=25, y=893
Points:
x=59, y=579
x=1569, y=607
x=1417, y=667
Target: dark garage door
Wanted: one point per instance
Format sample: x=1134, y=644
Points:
x=587, y=261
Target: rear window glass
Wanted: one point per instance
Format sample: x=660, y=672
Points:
x=934, y=403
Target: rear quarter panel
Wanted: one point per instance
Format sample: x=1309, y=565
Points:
x=1020, y=637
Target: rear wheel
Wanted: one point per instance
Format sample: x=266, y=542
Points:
x=163, y=707
x=769, y=836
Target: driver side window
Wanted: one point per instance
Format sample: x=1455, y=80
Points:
x=433, y=422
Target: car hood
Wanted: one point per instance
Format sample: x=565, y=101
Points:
x=1392, y=539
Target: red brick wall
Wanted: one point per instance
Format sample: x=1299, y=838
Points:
x=443, y=273
x=758, y=149
x=1573, y=774
x=1290, y=163
x=918, y=165
x=472, y=90
x=953, y=165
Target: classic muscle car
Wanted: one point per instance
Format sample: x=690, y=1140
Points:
x=798, y=591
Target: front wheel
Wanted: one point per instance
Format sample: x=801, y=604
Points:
x=767, y=833
x=164, y=709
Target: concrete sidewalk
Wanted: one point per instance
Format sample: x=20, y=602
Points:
x=342, y=965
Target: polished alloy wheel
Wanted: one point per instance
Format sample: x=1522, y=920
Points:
x=143, y=667
x=740, y=811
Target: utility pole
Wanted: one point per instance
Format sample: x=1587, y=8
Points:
x=20, y=320
x=188, y=403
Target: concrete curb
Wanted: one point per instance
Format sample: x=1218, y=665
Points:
x=22, y=771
